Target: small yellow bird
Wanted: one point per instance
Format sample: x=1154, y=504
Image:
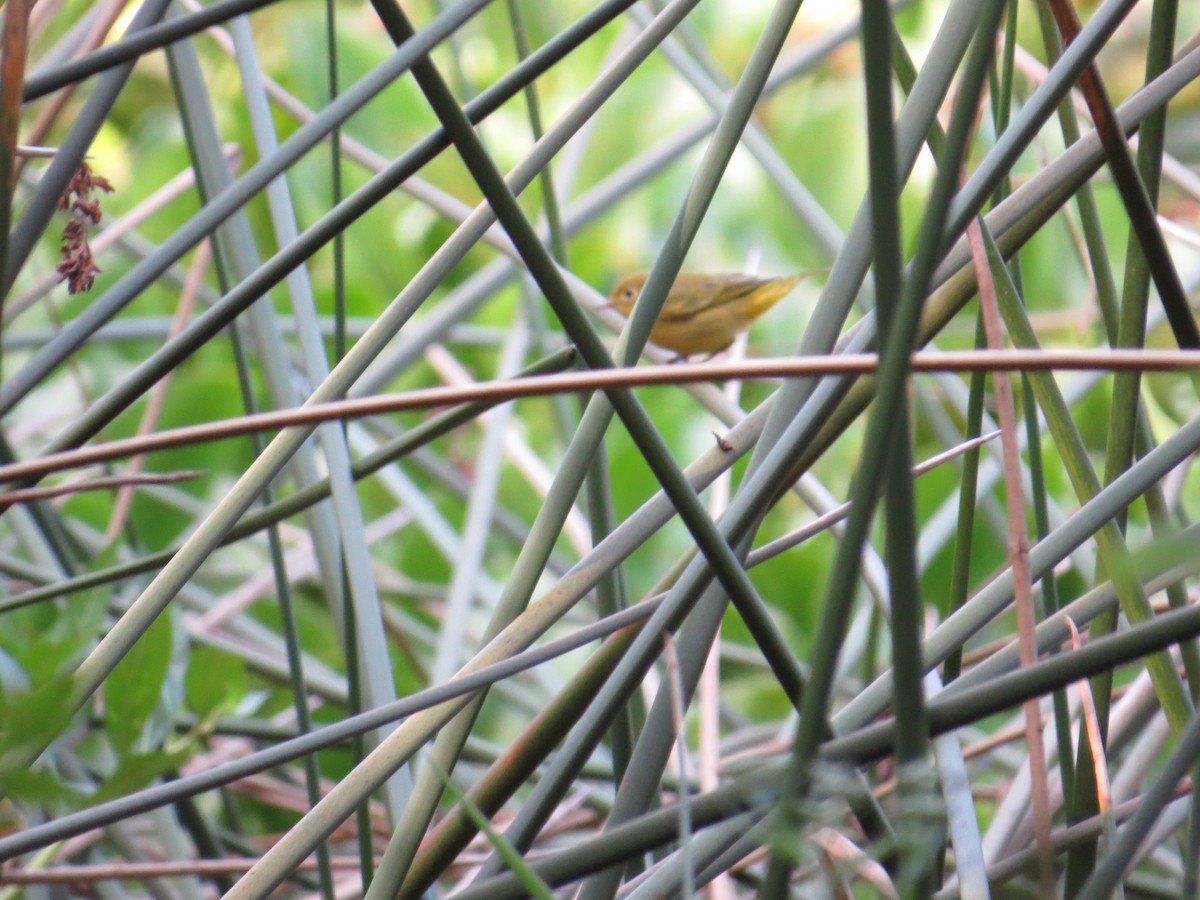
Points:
x=704, y=313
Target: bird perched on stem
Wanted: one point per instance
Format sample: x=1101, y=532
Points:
x=704, y=313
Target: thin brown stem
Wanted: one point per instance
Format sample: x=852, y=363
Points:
x=572, y=382
x=1018, y=554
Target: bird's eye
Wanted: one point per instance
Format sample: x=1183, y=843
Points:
x=628, y=292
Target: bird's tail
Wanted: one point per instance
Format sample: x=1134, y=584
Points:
x=774, y=290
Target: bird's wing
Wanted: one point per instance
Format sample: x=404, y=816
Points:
x=713, y=291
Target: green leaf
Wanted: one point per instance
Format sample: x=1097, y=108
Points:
x=40, y=787
x=31, y=719
x=216, y=681
x=132, y=691
x=137, y=770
